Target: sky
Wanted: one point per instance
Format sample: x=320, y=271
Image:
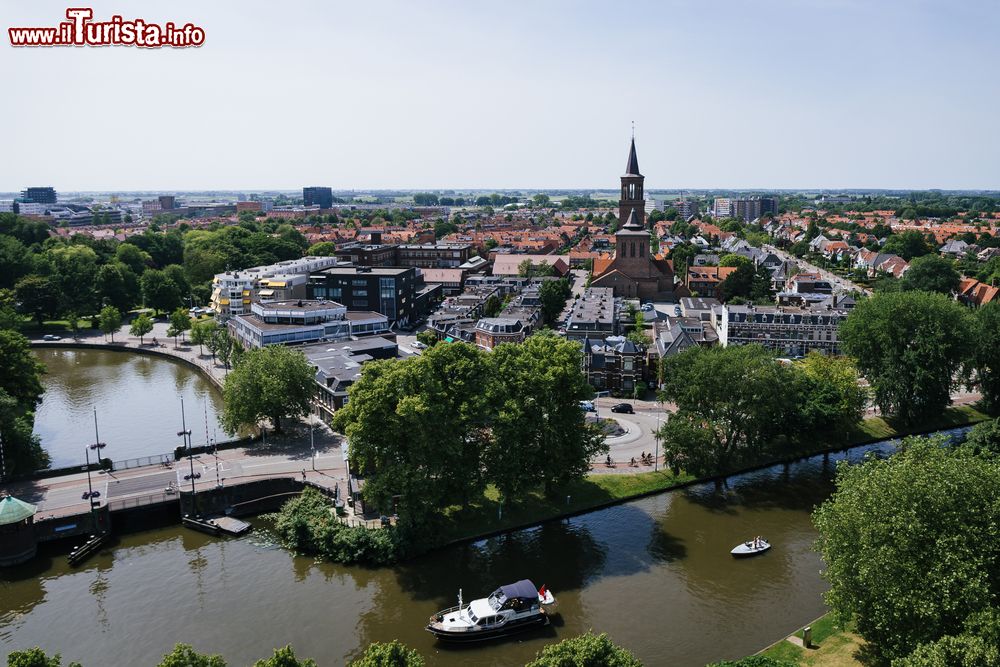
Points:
x=429, y=94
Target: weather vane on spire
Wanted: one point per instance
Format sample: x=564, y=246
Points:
x=633, y=129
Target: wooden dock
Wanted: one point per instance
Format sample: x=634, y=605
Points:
x=216, y=525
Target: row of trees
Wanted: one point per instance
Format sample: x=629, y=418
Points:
x=588, y=650
x=20, y=393
x=738, y=405
x=432, y=431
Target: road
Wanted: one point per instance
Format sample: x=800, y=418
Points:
x=841, y=285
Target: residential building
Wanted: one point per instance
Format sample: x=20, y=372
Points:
x=492, y=331
x=593, y=315
x=634, y=271
x=234, y=291
x=616, y=364
x=435, y=255
x=368, y=254
x=652, y=204
x=510, y=264
x=971, y=292
x=452, y=281
x=706, y=281
x=167, y=202
x=722, y=207
x=752, y=208
x=317, y=196
x=338, y=366
x=686, y=208
x=793, y=331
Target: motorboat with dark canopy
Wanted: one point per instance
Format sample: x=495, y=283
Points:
x=509, y=609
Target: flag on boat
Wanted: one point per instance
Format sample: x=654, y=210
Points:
x=541, y=591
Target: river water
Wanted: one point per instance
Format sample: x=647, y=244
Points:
x=655, y=574
x=137, y=399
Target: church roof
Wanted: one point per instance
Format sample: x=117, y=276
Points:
x=632, y=168
x=632, y=224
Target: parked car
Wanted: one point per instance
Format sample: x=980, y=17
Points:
x=587, y=406
x=418, y=345
x=51, y=337
x=625, y=408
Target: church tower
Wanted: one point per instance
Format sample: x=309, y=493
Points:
x=632, y=199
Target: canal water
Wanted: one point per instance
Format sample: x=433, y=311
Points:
x=137, y=399
x=655, y=574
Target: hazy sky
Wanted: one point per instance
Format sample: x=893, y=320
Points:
x=509, y=94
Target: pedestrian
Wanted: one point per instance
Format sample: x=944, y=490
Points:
x=303, y=474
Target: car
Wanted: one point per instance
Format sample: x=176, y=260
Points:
x=625, y=408
x=587, y=406
x=418, y=345
x=51, y=337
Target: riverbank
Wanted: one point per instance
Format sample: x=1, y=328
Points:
x=486, y=517
x=832, y=646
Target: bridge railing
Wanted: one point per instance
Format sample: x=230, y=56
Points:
x=140, y=501
x=143, y=461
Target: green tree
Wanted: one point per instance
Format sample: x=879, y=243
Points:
x=539, y=433
x=910, y=544
x=222, y=345
x=832, y=399
x=76, y=277
x=731, y=401
x=20, y=392
x=427, y=337
x=912, y=347
x=15, y=259
x=753, y=661
x=202, y=333
x=416, y=428
x=388, y=654
x=908, y=244
x=587, y=650
x=638, y=333
x=931, y=273
x=35, y=657
x=984, y=437
x=541, y=200
x=322, y=249
x=134, y=257
x=986, y=355
x=180, y=321
x=141, y=326
x=37, y=296
x=977, y=646
x=159, y=292
x=285, y=657
x=526, y=269
x=117, y=286
x=185, y=656
x=268, y=383
x=177, y=275
x=553, y=295
x=110, y=321
x=493, y=306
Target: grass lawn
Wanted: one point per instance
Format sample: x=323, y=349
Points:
x=834, y=647
x=482, y=516
x=877, y=428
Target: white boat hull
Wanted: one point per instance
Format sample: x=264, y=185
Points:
x=748, y=549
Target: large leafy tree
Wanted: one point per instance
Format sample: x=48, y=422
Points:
x=15, y=260
x=730, y=402
x=134, y=257
x=76, y=269
x=908, y=244
x=910, y=544
x=553, y=295
x=268, y=383
x=416, y=429
x=832, y=400
x=159, y=292
x=118, y=286
x=588, y=650
x=912, y=347
x=37, y=296
x=539, y=434
x=20, y=392
x=977, y=646
x=389, y=654
x=987, y=353
x=931, y=273
x=109, y=320
x=35, y=657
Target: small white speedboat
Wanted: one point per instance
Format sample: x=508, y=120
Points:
x=750, y=548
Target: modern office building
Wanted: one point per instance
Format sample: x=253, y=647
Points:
x=302, y=322
x=44, y=195
x=317, y=196
x=398, y=293
x=167, y=202
x=435, y=255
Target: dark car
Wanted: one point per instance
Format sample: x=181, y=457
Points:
x=625, y=408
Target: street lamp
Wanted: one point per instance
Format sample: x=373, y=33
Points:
x=186, y=434
x=312, y=445
x=90, y=495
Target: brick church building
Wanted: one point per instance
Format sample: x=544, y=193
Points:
x=634, y=271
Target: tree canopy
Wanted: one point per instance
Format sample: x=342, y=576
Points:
x=388, y=654
x=586, y=650
x=912, y=347
x=268, y=383
x=20, y=392
x=910, y=544
x=986, y=353
x=931, y=273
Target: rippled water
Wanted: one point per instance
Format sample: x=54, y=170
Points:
x=655, y=574
x=137, y=399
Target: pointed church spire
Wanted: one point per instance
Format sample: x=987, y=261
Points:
x=632, y=222
x=632, y=168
